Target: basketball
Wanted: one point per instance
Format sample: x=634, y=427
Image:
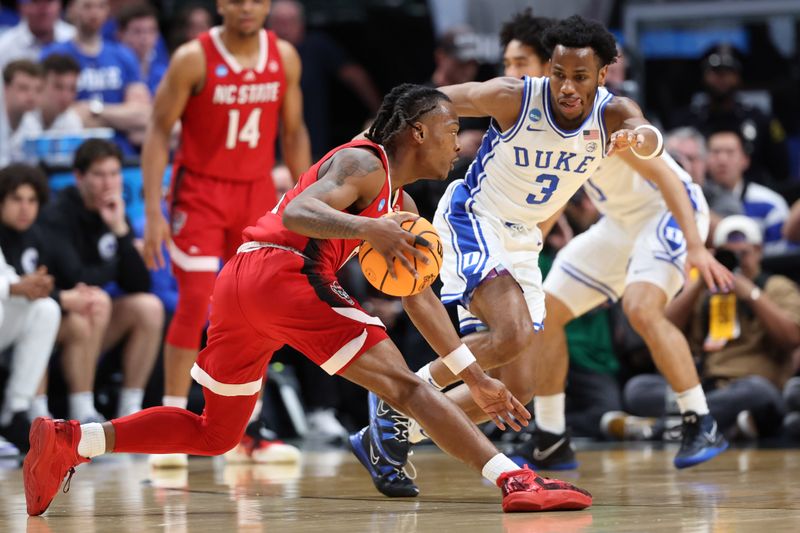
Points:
x=373, y=265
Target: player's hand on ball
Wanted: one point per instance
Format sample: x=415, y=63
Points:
x=393, y=242
x=156, y=233
x=622, y=140
x=715, y=275
x=496, y=401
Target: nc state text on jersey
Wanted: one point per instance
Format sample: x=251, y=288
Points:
x=252, y=93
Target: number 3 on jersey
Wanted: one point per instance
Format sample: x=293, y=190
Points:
x=248, y=134
x=550, y=183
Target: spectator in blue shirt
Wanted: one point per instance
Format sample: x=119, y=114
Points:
x=110, y=88
x=137, y=28
x=727, y=163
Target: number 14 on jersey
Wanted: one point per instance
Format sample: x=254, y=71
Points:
x=249, y=132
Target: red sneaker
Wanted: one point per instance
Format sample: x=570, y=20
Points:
x=525, y=491
x=53, y=455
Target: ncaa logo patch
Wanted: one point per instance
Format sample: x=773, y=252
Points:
x=339, y=291
x=273, y=66
x=591, y=147
x=381, y=204
x=221, y=71
x=29, y=260
x=107, y=246
x=535, y=115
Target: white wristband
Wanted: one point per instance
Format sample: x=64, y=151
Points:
x=458, y=359
x=659, y=142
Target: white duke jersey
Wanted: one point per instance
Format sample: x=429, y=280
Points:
x=527, y=173
x=621, y=193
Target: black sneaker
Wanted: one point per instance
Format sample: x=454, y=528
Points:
x=383, y=449
x=545, y=451
x=17, y=431
x=701, y=440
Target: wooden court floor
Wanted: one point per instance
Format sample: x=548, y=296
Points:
x=635, y=490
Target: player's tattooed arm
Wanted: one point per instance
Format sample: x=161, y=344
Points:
x=499, y=98
x=352, y=178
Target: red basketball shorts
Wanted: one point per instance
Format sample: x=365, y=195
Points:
x=262, y=301
x=207, y=216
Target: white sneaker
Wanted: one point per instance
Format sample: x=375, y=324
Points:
x=746, y=425
x=169, y=460
x=264, y=447
x=620, y=425
x=7, y=449
x=323, y=425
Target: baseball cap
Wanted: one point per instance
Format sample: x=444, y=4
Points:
x=737, y=228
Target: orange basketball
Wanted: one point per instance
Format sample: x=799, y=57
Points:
x=373, y=265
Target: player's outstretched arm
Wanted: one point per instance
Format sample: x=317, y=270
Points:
x=351, y=178
x=295, y=143
x=185, y=74
x=430, y=317
x=628, y=142
x=499, y=98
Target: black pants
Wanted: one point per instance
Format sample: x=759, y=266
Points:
x=589, y=396
x=645, y=395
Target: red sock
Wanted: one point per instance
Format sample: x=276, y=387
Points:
x=174, y=430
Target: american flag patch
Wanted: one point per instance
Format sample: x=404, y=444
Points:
x=591, y=135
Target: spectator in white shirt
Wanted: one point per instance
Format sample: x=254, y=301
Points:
x=41, y=25
x=22, y=87
x=727, y=163
x=59, y=92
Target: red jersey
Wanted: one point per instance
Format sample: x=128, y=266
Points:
x=327, y=254
x=229, y=128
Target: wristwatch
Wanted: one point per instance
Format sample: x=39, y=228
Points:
x=96, y=106
x=755, y=294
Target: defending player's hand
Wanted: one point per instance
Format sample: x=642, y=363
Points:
x=622, y=140
x=156, y=233
x=495, y=400
x=715, y=275
x=393, y=242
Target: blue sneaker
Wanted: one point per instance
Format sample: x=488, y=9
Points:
x=383, y=449
x=701, y=440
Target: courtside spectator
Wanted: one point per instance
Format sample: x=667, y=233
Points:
x=110, y=88
x=40, y=26
x=22, y=86
x=727, y=164
x=137, y=28
x=98, y=249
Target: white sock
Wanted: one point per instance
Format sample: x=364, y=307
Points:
x=415, y=432
x=548, y=412
x=496, y=466
x=256, y=411
x=130, y=401
x=175, y=401
x=39, y=407
x=81, y=405
x=424, y=374
x=693, y=399
x=93, y=440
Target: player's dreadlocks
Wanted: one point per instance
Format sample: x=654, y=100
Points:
x=578, y=32
x=528, y=30
x=400, y=108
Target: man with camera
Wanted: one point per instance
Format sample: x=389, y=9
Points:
x=743, y=340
